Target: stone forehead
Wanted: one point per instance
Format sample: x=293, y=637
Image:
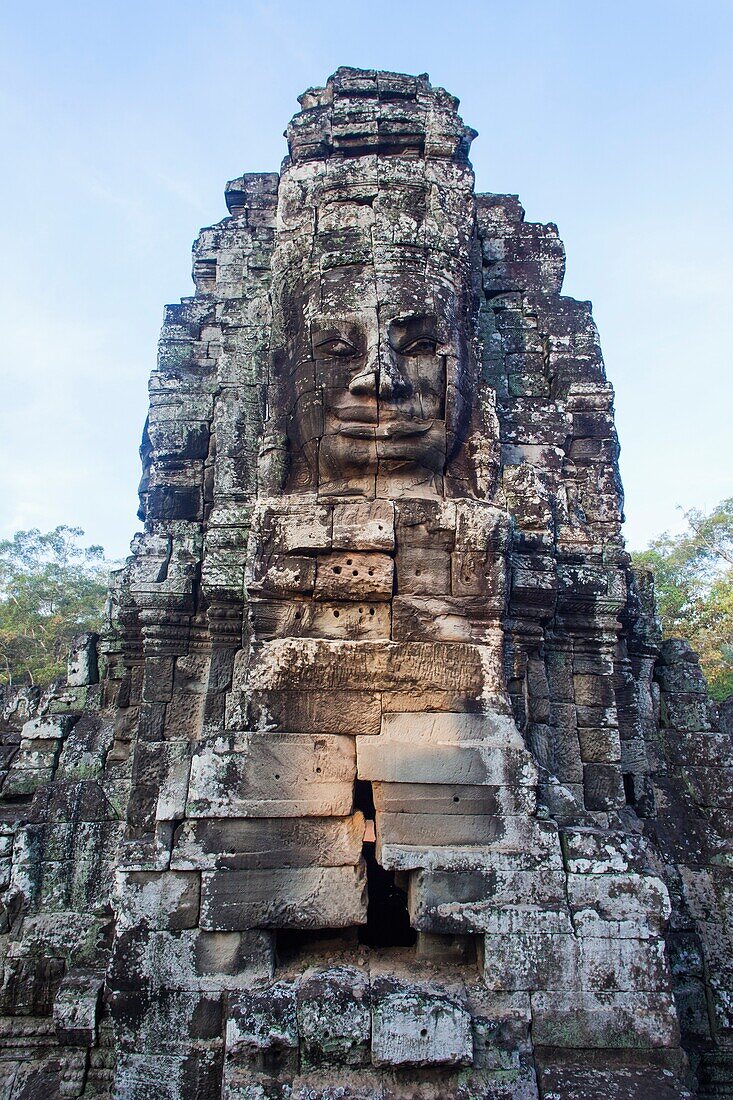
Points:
x=378, y=176
x=363, y=110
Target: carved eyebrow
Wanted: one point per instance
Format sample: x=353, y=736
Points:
x=404, y=331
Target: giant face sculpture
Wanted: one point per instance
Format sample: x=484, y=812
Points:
x=367, y=396
x=383, y=384
x=372, y=372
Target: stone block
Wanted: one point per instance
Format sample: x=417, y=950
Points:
x=609, y=1020
x=282, y=575
x=436, y=798
x=710, y=786
x=334, y=1017
x=190, y=960
x=168, y=1076
x=384, y=666
x=587, y=1078
x=367, y=526
x=592, y=690
x=294, y=529
x=422, y=572
x=158, y=900
x=626, y=965
x=355, y=621
x=426, y=523
x=341, y=712
x=85, y=884
x=492, y=728
x=412, y=1027
x=300, y=897
x=603, y=787
x=354, y=576
x=685, y=712
x=599, y=746
x=443, y=618
x=531, y=961
x=262, y=1030
x=479, y=526
x=456, y=830
x=524, y=846
x=470, y=901
x=543, y=919
x=473, y=764
x=21, y=782
x=49, y=728
x=478, y=573
x=166, y=1021
x=254, y=843
x=184, y=716
x=274, y=775
x=162, y=768
x=618, y=905
x=76, y=1008
x=158, y=682
x=706, y=750
x=590, y=851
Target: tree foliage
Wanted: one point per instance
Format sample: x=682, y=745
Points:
x=51, y=588
x=693, y=578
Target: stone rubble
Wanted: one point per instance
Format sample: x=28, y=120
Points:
x=380, y=782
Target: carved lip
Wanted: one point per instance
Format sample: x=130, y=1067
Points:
x=392, y=429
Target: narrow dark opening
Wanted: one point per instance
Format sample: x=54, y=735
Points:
x=629, y=791
x=364, y=798
x=293, y=943
x=388, y=921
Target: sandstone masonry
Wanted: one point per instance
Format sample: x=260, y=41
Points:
x=380, y=783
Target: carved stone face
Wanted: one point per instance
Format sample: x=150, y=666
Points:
x=368, y=393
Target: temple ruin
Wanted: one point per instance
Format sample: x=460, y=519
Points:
x=381, y=782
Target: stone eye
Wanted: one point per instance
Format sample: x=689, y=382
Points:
x=425, y=345
x=341, y=349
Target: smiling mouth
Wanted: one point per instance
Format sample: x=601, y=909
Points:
x=395, y=429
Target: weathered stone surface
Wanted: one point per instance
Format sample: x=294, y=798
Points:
x=274, y=776
x=158, y=900
x=311, y=897
x=334, y=1017
x=235, y=843
x=606, y=1020
x=493, y=728
x=472, y=764
x=76, y=1009
x=451, y=799
x=353, y=576
x=379, y=781
x=410, y=1027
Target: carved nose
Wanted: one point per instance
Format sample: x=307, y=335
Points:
x=364, y=384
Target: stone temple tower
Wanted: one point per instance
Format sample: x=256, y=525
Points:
x=383, y=784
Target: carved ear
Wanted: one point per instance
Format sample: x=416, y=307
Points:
x=272, y=465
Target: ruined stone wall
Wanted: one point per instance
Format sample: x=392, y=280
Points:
x=383, y=784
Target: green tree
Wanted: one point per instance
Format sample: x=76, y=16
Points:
x=693, y=579
x=51, y=588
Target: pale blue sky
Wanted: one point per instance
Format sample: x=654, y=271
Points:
x=121, y=122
